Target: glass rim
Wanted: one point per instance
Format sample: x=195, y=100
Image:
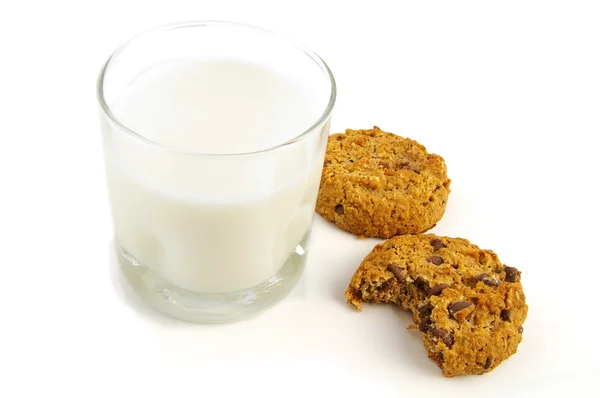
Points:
x=106, y=109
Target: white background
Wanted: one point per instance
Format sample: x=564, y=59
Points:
x=508, y=92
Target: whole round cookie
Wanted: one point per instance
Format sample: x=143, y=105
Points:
x=376, y=183
x=468, y=306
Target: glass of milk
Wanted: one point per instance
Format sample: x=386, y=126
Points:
x=214, y=136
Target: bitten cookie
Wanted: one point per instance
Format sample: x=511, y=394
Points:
x=376, y=183
x=468, y=307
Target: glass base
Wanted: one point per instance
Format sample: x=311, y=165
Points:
x=213, y=308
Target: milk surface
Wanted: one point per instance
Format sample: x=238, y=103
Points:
x=209, y=223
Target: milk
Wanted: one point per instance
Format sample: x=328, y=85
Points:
x=213, y=223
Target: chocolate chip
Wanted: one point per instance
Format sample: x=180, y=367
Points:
x=436, y=260
x=425, y=309
x=511, y=274
x=407, y=166
x=437, y=244
x=447, y=337
x=424, y=324
x=339, y=209
x=505, y=315
x=488, y=363
x=491, y=282
x=397, y=271
x=439, y=332
x=449, y=340
x=459, y=306
x=437, y=289
x=485, y=278
x=520, y=329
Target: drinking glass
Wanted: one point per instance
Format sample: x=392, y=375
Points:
x=214, y=236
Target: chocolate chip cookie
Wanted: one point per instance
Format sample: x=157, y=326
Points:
x=379, y=184
x=468, y=306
